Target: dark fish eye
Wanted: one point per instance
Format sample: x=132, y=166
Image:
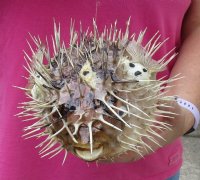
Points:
x=132, y=65
x=144, y=70
x=72, y=108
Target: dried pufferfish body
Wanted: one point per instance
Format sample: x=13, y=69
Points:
x=97, y=98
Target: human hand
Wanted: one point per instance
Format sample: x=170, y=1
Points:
x=180, y=122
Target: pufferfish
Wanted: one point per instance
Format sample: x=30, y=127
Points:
x=98, y=97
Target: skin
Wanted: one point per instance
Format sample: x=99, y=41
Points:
x=188, y=64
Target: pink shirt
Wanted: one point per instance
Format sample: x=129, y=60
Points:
x=18, y=158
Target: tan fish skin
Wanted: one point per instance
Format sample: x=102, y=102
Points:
x=99, y=96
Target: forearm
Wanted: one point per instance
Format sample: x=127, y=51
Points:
x=188, y=64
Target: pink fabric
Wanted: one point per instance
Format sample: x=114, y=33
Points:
x=18, y=158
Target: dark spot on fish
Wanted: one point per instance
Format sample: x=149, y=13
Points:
x=137, y=73
x=113, y=99
x=96, y=103
x=132, y=65
x=121, y=113
x=58, y=84
x=144, y=70
x=85, y=73
x=64, y=109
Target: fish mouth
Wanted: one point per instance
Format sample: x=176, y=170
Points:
x=87, y=155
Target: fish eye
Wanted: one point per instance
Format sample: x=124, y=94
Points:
x=72, y=108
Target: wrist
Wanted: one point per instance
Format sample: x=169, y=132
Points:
x=192, y=114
